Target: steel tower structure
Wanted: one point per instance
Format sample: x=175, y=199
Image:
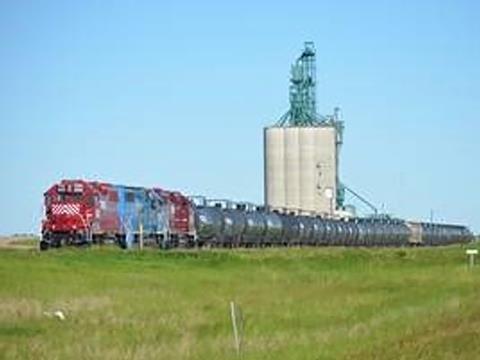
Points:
x=302, y=92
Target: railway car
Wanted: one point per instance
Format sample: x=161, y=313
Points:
x=69, y=211
x=181, y=218
x=274, y=229
x=255, y=227
x=432, y=234
x=142, y=214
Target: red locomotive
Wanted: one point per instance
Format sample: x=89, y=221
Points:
x=69, y=210
x=181, y=217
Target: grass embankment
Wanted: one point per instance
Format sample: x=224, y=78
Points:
x=297, y=304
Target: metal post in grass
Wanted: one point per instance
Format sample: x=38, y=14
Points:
x=236, y=335
x=140, y=236
x=471, y=255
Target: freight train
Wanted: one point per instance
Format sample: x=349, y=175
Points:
x=79, y=212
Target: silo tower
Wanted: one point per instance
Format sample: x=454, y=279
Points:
x=301, y=150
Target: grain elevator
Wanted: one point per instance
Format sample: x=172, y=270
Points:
x=301, y=151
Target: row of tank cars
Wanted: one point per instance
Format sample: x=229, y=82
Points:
x=79, y=212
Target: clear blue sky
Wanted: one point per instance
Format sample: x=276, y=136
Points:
x=176, y=94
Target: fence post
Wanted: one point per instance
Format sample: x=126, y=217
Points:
x=235, y=328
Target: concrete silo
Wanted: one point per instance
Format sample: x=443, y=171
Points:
x=301, y=150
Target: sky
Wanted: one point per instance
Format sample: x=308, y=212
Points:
x=176, y=94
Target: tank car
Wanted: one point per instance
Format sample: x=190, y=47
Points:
x=318, y=228
x=274, y=229
x=234, y=225
x=330, y=232
x=305, y=230
x=209, y=225
x=255, y=227
x=291, y=230
x=362, y=233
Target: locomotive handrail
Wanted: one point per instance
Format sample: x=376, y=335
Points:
x=223, y=202
x=193, y=199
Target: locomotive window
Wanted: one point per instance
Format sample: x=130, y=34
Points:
x=130, y=196
x=76, y=196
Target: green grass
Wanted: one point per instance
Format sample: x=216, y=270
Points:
x=297, y=303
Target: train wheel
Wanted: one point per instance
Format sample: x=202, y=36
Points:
x=44, y=245
x=122, y=242
x=164, y=245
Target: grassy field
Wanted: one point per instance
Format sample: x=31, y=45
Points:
x=297, y=304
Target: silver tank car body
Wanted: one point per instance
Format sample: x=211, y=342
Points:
x=209, y=223
x=234, y=224
x=255, y=227
x=318, y=228
x=330, y=232
x=274, y=228
x=291, y=229
x=305, y=230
